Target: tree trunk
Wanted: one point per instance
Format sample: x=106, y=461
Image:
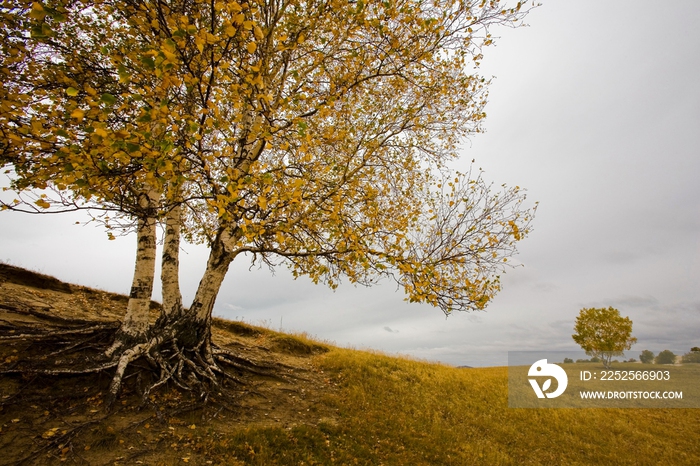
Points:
x=193, y=326
x=136, y=321
x=170, y=266
x=180, y=342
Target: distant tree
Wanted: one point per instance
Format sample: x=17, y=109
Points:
x=665, y=357
x=603, y=333
x=568, y=360
x=631, y=360
x=647, y=357
x=692, y=357
x=593, y=359
x=695, y=349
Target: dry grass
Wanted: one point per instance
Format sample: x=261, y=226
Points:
x=328, y=406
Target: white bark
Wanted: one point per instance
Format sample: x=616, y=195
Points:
x=220, y=257
x=209, y=287
x=170, y=263
x=136, y=321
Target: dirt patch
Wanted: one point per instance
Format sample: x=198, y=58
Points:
x=58, y=419
x=18, y=276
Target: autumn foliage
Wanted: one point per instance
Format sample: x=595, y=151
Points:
x=603, y=333
x=318, y=134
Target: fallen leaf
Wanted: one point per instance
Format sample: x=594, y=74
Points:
x=50, y=433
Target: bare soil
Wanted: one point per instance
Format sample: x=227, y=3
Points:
x=60, y=419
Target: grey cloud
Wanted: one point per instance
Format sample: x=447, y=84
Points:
x=621, y=257
x=545, y=287
x=625, y=302
x=474, y=318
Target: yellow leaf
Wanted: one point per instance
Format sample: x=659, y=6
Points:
x=43, y=204
x=50, y=433
x=516, y=230
x=101, y=132
x=258, y=32
x=38, y=11
x=77, y=114
x=251, y=47
x=170, y=56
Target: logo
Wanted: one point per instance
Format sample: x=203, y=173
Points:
x=542, y=369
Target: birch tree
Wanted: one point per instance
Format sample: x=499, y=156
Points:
x=74, y=124
x=604, y=333
x=312, y=134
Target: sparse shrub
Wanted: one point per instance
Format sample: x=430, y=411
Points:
x=665, y=357
x=568, y=360
x=647, y=357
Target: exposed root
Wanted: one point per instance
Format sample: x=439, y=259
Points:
x=88, y=370
x=40, y=333
x=75, y=349
x=126, y=358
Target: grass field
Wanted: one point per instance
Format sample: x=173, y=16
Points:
x=330, y=406
x=398, y=411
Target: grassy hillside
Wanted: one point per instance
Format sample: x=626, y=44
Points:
x=322, y=405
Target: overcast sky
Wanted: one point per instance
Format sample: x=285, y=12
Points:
x=595, y=109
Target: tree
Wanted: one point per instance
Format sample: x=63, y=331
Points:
x=647, y=357
x=692, y=357
x=603, y=333
x=69, y=128
x=665, y=357
x=315, y=135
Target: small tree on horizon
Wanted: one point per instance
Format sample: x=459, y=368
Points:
x=692, y=357
x=647, y=357
x=665, y=357
x=603, y=333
